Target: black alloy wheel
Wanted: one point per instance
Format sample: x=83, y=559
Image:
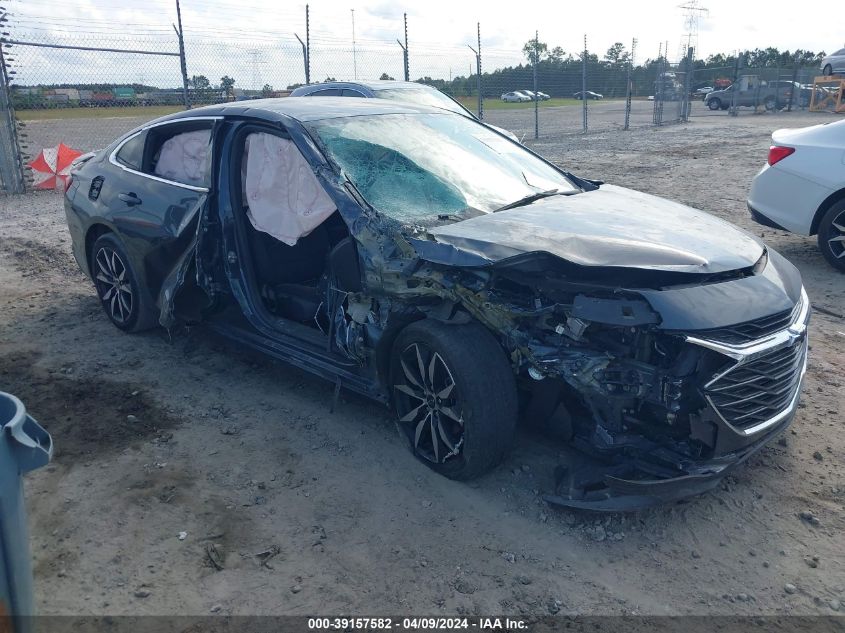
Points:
x=428, y=404
x=123, y=300
x=832, y=235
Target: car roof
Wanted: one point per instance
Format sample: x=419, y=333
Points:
x=303, y=110
x=374, y=86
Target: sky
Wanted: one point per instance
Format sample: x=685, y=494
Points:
x=255, y=42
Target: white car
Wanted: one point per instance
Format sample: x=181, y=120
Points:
x=834, y=63
x=802, y=188
x=515, y=97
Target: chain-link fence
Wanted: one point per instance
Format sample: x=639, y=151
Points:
x=83, y=85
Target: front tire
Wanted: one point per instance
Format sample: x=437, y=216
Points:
x=120, y=294
x=832, y=236
x=454, y=395
x=714, y=104
x=828, y=70
x=770, y=104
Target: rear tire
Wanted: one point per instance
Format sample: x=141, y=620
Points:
x=828, y=70
x=125, y=303
x=832, y=236
x=454, y=395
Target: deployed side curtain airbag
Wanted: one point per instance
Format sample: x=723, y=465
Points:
x=284, y=197
x=184, y=158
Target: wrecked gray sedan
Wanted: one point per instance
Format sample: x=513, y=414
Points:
x=423, y=259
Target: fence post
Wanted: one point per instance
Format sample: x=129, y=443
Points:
x=690, y=59
x=480, y=95
x=304, y=59
x=11, y=161
x=657, y=113
x=182, y=62
x=307, y=44
x=536, y=98
x=792, y=87
x=734, y=109
x=405, y=49
x=629, y=88
x=584, y=86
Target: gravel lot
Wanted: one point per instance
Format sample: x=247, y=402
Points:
x=290, y=509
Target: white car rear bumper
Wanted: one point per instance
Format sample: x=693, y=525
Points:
x=785, y=199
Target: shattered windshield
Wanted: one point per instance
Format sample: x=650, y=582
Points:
x=430, y=168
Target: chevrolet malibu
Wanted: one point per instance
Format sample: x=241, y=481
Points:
x=422, y=259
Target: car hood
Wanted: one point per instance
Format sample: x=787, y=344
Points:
x=610, y=226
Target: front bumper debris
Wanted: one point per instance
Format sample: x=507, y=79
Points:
x=633, y=484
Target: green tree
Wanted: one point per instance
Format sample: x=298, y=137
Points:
x=616, y=55
x=557, y=55
x=267, y=90
x=200, y=82
x=227, y=85
x=535, y=51
x=385, y=77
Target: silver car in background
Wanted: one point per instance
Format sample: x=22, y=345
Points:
x=834, y=63
x=406, y=91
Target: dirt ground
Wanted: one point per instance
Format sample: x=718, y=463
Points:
x=286, y=508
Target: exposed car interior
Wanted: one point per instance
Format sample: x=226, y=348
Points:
x=180, y=153
x=297, y=240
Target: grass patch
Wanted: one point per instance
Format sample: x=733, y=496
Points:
x=95, y=113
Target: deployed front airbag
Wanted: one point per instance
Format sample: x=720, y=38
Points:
x=284, y=197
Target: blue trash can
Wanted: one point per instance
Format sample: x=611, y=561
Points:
x=24, y=446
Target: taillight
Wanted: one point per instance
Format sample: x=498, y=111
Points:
x=778, y=153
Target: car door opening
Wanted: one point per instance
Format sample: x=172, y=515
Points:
x=292, y=228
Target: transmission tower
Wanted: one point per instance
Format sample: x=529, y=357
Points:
x=693, y=12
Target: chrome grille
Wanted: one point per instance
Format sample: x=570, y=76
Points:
x=751, y=330
x=753, y=392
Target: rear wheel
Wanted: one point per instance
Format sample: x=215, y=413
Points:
x=121, y=296
x=455, y=397
x=828, y=70
x=832, y=235
x=714, y=103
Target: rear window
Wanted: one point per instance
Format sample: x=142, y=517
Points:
x=328, y=92
x=180, y=152
x=131, y=154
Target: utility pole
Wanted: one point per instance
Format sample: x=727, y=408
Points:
x=354, y=47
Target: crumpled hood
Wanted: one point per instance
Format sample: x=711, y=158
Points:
x=611, y=226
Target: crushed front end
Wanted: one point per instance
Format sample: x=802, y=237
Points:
x=665, y=388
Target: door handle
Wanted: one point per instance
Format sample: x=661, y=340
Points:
x=130, y=199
